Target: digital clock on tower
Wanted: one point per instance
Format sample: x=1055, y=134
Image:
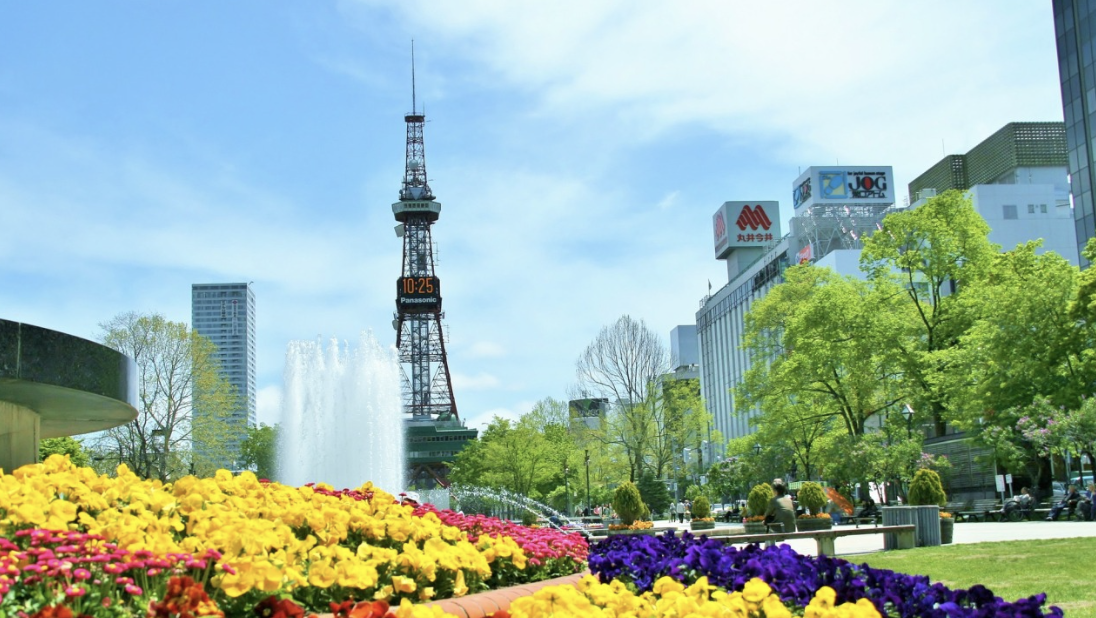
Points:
x=418, y=294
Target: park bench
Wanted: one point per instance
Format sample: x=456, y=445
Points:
x=824, y=538
x=857, y=518
x=977, y=510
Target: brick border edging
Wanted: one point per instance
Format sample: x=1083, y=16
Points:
x=483, y=604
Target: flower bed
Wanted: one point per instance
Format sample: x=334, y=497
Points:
x=669, y=597
x=246, y=542
x=642, y=561
x=74, y=544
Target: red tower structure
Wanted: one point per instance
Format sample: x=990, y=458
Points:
x=433, y=428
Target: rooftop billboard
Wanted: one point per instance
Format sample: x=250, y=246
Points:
x=851, y=184
x=745, y=224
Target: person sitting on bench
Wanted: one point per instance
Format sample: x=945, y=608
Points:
x=781, y=510
x=868, y=508
x=1069, y=501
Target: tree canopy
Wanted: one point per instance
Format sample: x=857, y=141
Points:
x=183, y=401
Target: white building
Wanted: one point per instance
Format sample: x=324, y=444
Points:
x=1021, y=190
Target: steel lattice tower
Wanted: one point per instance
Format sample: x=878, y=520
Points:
x=427, y=387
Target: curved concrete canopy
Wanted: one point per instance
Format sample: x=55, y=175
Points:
x=74, y=385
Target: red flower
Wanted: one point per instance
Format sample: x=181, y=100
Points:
x=185, y=598
x=365, y=609
x=53, y=611
x=273, y=607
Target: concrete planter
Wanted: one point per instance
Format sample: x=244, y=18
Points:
x=811, y=524
x=701, y=525
x=648, y=532
x=947, y=529
x=754, y=527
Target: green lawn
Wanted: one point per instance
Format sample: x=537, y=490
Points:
x=1062, y=568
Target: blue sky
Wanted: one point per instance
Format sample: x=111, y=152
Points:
x=579, y=150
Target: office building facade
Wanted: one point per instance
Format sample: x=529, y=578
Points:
x=1075, y=34
x=1016, y=180
x=225, y=314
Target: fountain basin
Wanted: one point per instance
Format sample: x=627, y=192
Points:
x=53, y=385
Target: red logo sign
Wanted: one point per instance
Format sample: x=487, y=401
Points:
x=720, y=225
x=753, y=218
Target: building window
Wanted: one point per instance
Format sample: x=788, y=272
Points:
x=1043, y=208
x=1009, y=211
x=1031, y=209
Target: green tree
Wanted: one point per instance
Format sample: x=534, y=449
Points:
x=681, y=421
x=514, y=456
x=182, y=399
x=1022, y=347
x=819, y=345
x=933, y=254
x=66, y=445
x=621, y=364
x=259, y=450
x=654, y=492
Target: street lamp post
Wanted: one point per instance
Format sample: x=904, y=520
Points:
x=589, y=509
x=907, y=412
x=567, y=488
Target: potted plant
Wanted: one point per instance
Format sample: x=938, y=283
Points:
x=813, y=498
x=629, y=506
x=927, y=490
x=702, y=515
x=756, y=503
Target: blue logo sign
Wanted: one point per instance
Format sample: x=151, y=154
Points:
x=832, y=186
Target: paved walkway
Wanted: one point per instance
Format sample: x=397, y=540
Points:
x=965, y=532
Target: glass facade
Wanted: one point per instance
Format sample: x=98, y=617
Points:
x=225, y=313
x=1075, y=31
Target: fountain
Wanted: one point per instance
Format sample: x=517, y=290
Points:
x=499, y=499
x=342, y=420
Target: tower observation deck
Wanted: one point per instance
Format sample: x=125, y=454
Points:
x=434, y=431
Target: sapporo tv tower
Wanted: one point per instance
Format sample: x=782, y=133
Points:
x=434, y=431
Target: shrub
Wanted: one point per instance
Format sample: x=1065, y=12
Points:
x=926, y=488
x=758, y=500
x=627, y=503
x=812, y=497
x=701, y=508
x=528, y=518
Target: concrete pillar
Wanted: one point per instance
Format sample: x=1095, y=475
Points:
x=19, y=433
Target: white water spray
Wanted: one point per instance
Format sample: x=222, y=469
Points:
x=342, y=421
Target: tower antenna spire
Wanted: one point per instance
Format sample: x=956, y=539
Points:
x=413, y=107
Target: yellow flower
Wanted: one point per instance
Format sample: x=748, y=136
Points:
x=755, y=591
x=382, y=594
x=321, y=574
x=666, y=585
x=403, y=584
x=459, y=587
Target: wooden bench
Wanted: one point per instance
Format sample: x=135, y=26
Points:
x=979, y=510
x=825, y=538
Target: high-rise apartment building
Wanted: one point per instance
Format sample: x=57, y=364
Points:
x=225, y=313
x=1075, y=32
